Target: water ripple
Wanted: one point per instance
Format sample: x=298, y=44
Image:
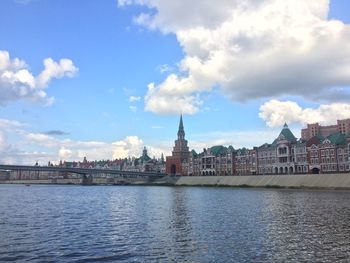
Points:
x=164, y=224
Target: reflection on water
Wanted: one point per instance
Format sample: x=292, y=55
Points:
x=138, y=224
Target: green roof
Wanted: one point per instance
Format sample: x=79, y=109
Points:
x=266, y=145
x=194, y=153
x=217, y=150
x=242, y=151
x=337, y=138
x=287, y=134
x=144, y=158
x=231, y=149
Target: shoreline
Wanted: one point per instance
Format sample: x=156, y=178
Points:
x=305, y=181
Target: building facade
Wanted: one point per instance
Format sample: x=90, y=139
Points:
x=178, y=162
x=314, y=129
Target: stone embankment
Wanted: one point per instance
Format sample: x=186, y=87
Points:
x=325, y=181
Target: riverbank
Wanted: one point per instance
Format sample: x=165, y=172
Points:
x=325, y=181
x=328, y=181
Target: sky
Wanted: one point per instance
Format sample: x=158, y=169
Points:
x=103, y=79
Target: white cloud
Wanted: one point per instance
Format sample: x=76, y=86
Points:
x=167, y=101
x=275, y=113
x=134, y=98
x=64, y=153
x=18, y=83
x=64, y=68
x=250, y=49
x=7, y=124
x=130, y=146
x=20, y=146
x=238, y=139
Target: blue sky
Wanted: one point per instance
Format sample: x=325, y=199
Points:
x=234, y=84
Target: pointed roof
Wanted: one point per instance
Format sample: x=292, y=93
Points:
x=287, y=134
x=181, y=132
x=181, y=125
x=337, y=138
x=194, y=153
x=218, y=150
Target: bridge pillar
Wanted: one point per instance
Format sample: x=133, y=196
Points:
x=87, y=179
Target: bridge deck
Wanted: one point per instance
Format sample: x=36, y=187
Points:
x=78, y=170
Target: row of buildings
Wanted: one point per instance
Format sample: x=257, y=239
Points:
x=321, y=149
x=144, y=163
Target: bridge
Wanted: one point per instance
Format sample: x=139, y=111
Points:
x=87, y=174
x=83, y=171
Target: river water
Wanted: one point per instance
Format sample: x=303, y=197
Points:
x=172, y=224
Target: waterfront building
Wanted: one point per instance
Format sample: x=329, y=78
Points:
x=314, y=129
x=266, y=158
x=193, y=164
x=300, y=157
x=280, y=156
x=318, y=154
x=245, y=162
x=330, y=154
x=177, y=163
x=217, y=160
x=284, y=157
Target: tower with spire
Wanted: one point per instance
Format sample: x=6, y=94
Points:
x=180, y=153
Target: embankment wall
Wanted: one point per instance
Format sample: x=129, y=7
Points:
x=331, y=181
x=324, y=181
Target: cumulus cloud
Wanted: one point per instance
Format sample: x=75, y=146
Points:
x=18, y=83
x=168, y=101
x=64, y=67
x=238, y=139
x=250, y=49
x=130, y=146
x=18, y=145
x=10, y=124
x=64, y=153
x=275, y=113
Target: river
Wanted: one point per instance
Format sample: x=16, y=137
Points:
x=48, y=223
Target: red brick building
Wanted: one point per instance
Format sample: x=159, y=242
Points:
x=178, y=162
x=314, y=129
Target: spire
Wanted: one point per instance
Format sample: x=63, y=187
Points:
x=181, y=132
x=285, y=126
x=144, y=152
